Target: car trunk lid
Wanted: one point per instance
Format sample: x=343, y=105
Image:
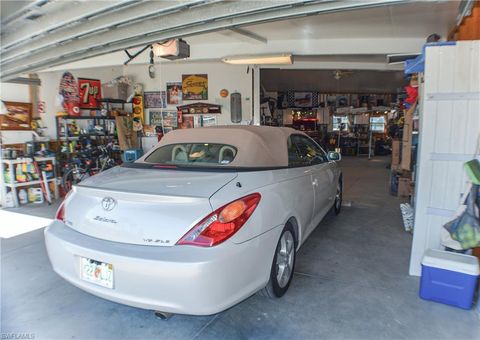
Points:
x=143, y=206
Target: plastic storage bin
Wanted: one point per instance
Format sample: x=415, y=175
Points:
x=131, y=155
x=449, y=278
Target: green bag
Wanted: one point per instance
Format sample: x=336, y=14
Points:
x=466, y=228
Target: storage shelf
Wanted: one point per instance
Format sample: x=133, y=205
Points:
x=28, y=160
x=86, y=117
x=24, y=184
x=112, y=101
x=70, y=138
x=12, y=185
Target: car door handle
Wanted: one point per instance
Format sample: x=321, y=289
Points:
x=315, y=182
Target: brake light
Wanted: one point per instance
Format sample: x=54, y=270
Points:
x=61, y=212
x=60, y=215
x=222, y=223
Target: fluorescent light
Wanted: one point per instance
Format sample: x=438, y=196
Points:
x=260, y=59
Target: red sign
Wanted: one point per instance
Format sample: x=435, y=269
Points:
x=90, y=91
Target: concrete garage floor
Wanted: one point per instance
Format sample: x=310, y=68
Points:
x=351, y=281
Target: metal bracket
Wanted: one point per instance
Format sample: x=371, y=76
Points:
x=131, y=57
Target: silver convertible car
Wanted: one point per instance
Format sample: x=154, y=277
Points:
x=204, y=220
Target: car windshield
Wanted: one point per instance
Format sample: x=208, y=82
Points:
x=197, y=154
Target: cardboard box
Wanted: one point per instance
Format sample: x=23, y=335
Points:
x=406, y=161
x=395, y=152
x=404, y=187
x=116, y=91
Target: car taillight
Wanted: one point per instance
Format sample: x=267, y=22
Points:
x=61, y=212
x=60, y=215
x=222, y=223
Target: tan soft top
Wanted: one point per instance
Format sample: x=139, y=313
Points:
x=257, y=146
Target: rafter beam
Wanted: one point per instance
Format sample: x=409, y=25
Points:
x=25, y=81
x=59, y=19
x=22, y=10
x=250, y=35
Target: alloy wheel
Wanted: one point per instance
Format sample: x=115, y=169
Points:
x=338, y=197
x=285, y=258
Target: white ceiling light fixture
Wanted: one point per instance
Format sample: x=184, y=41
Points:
x=274, y=59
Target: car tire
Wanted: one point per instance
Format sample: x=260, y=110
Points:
x=283, y=265
x=337, y=204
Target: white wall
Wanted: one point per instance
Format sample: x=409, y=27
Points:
x=14, y=92
x=220, y=76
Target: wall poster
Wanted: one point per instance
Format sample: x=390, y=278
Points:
x=195, y=86
x=90, y=91
x=169, y=118
x=303, y=99
x=156, y=118
x=209, y=120
x=155, y=99
x=187, y=122
x=174, y=93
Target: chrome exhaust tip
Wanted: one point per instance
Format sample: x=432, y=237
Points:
x=163, y=315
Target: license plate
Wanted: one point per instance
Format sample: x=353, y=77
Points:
x=97, y=272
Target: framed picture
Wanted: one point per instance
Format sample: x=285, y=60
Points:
x=174, y=93
x=303, y=99
x=187, y=123
x=90, y=92
x=209, y=120
x=18, y=117
x=342, y=101
x=156, y=118
x=195, y=86
x=155, y=99
x=169, y=118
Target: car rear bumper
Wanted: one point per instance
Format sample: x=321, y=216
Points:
x=177, y=279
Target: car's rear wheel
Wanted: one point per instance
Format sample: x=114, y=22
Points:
x=283, y=265
x=337, y=206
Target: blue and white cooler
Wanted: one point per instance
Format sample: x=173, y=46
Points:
x=449, y=278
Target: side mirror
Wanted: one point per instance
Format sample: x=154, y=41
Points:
x=334, y=156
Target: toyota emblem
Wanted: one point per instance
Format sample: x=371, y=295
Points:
x=108, y=203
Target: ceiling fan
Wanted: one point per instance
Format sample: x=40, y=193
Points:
x=338, y=74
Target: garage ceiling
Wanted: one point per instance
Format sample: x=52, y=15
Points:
x=406, y=20
x=41, y=35
x=324, y=81
x=38, y=35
